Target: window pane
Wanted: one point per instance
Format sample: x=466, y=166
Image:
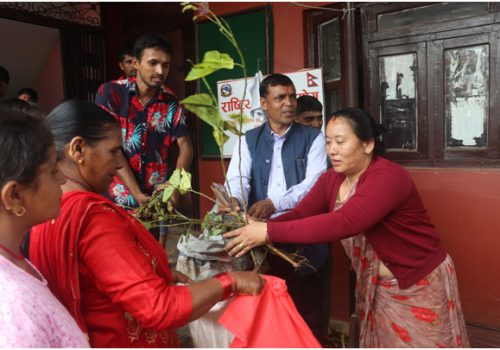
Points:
x=426, y=15
x=398, y=106
x=332, y=103
x=466, y=96
x=329, y=49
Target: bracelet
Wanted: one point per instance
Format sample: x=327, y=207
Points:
x=228, y=284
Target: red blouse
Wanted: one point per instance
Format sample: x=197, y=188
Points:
x=110, y=272
x=386, y=207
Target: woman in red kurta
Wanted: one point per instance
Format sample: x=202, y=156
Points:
x=100, y=262
x=406, y=290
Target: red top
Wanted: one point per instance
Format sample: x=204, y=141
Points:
x=386, y=207
x=110, y=273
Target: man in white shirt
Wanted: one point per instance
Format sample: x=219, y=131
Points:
x=280, y=162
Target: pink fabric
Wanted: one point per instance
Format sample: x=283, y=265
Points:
x=427, y=314
x=268, y=320
x=30, y=316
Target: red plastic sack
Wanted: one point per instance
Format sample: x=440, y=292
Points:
x=269, y=320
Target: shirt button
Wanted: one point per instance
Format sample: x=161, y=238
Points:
x=268, y=161
x=279, y=166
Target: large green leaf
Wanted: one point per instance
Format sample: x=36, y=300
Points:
x=232, y=127
x=237, y=117
x=185, y=184
x=167, y=193
x=204, y=107
x=175, y=178
x=212, y=62
x=220, y=137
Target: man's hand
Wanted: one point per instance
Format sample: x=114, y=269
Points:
x=141, y=198
x=262, y=209
x=174, y=199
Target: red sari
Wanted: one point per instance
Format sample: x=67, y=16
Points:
x=110, y=273
x=426, y=315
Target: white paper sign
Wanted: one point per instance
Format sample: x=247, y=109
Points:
x=230, y=93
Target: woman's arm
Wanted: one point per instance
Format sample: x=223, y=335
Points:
x=123, y=272
x=315, y=202
x=377, y=195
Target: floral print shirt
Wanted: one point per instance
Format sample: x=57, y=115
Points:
x=147, y=131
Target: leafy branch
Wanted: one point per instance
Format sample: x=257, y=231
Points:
x=159, y=210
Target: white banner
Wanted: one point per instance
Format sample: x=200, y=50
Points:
x=230, y=92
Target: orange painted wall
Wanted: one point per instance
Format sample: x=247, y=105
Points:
x=464, y=206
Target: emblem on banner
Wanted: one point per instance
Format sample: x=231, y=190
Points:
x=311, y=80
x=226, y=90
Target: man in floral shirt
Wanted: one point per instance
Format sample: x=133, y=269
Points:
x=151, y=119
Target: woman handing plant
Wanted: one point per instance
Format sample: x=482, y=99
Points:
x=101, y=262
x=407, y=293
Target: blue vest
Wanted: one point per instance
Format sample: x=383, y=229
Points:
x=296, y=146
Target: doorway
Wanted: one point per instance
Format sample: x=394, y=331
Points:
x=32, y=55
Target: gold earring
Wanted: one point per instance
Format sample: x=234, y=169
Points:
x=80, y=161
x=20, y=212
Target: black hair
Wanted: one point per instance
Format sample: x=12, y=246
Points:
x=125, y=50
x=33, y=96
x=21, y=106
x=307, y=103
x=273, y=80
x=79, y=118
x=25, y=141
x=150, y=41
x=4, y=75
x=364, y=127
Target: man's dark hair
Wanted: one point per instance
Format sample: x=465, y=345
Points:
x=21, y=106
x=4, y=75
x=126, y=50
x=273, y=80
x=79, y=118
x=151, y=41
x=25, y=141
x=308, y=103
x=33, y=96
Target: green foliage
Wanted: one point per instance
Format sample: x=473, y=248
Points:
x=185, y=182
x=239, y=118
x=205, y=108
x=212, y=62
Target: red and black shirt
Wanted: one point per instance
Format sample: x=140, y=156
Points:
x=147, y=131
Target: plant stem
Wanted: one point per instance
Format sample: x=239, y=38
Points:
x=203, y=195
x=282, y=255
